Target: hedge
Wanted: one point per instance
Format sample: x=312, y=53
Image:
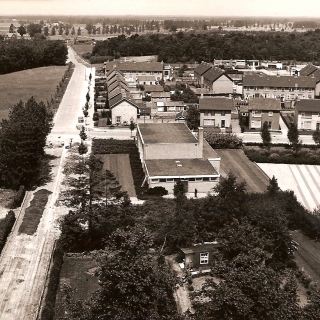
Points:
x=285, y=156
x=6, y=225
x=223, y=141
x=48, y=304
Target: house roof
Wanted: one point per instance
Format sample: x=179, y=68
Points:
x=124, y=99
x=264, y=104
x=201, y=247
x=202, y=68
x=153, y=88
x=308, y=70
x=214, y=73
x=135, y=66
x=166, y=133
x=185, y=167
x=308, y=105
x=260, y=80
x=159, y=95
x=215, y=104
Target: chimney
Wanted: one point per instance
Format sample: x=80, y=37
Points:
x=200, y=142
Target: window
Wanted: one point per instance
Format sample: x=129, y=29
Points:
x=170, y=180
x=204, y=257
x=270, y=113
x=223, y=113
x=154, y=180
x=118, y=119
x=198, y=179
x=162, y=180
x=207, y=113
x=269, y=124
x=256, y=113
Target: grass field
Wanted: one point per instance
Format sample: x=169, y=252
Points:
x=80, y=49
x=34, y=212
x=235, y=161
x=119, y=165
x=40, y=83
x=77, y=272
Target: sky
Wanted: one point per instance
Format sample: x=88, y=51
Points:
x=274, y=8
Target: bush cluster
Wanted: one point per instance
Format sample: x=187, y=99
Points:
x=283, y=156
x=18, y=198
x=6, y=225
x=223, y=141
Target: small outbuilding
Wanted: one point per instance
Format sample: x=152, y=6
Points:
x=200, y=255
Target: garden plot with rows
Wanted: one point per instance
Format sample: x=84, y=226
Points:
x=304, y=180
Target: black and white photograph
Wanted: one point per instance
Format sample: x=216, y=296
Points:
x=159, y=160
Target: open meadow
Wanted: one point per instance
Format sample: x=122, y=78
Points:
x=41, y=83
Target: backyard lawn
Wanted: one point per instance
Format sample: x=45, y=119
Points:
x=41, y=83
x=78, y=273
x=119, y=165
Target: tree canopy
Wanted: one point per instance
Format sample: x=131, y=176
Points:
x=22, y=141
x=20, y=54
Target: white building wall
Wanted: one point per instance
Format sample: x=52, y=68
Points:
x=125, y=111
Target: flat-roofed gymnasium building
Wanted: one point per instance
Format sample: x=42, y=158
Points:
x=169, y=151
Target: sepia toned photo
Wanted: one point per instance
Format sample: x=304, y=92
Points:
x=159, y=160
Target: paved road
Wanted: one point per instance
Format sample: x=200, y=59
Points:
x=25, y=259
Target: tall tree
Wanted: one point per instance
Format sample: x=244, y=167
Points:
x=316, y=137
x=22, y=141
x=265, y=135
x=33, y=28
x=135, y=283
x=11, y=28
x=21, y=30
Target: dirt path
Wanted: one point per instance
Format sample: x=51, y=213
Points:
x=308, y=255
x=25, y=258
x=181, y=295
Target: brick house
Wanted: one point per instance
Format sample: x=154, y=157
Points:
x=200, y=255
x=217, y=81
x=278, y=87
x=313, y=72
x=261, y=110
x=307, y=114
x=215, y=112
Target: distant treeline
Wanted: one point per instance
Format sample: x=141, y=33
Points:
x=16, y=55
x=190, y=47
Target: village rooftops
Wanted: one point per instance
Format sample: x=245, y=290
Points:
x=202, y=68
x=261, y=80
x=153, y=88
x=176, y=168
x=308, y=70
x=215, y=104
x=135, y=66
x=264, y=104
x=214, y=73
x=312, y=105
x=166, y=133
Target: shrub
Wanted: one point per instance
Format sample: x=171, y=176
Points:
x=6, y=225
x=274, y=157
x=223, y=141
x=157, y=191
